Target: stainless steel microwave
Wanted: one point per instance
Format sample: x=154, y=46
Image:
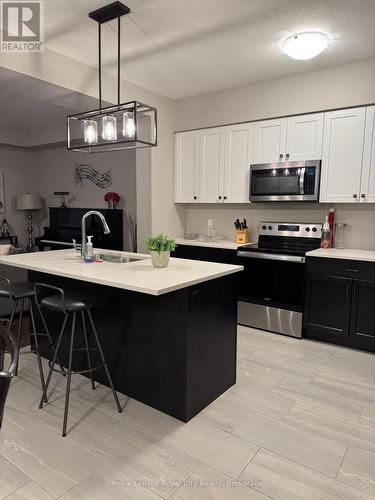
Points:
x=285, y=181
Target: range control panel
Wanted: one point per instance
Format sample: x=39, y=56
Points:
x=297, y=229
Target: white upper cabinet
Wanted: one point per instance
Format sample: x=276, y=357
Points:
x=211, y=166
x=342, y=155
x=304, y=137
x=238, y=153
x=368, y=169
x=269, y=141
x=289, y=139
x=186, y=166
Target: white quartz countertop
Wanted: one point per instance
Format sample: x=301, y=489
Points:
x=137, y=276
x=226, y=244
x=347, y=253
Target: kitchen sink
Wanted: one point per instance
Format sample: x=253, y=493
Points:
x=118, y=259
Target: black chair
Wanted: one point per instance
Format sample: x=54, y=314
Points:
x=7, y=341
x=23, y=293
x=70, y=305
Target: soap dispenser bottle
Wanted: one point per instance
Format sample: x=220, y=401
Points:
x=89, y=257
x=326, y=235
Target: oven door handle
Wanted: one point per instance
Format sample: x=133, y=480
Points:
x=272, y=256
x=302, y=180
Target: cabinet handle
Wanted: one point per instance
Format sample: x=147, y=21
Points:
x=352, y=270
x=281, y=156
x=195, y=197
x=355, y=196
x=219, y=197
x=225, y=197
x=287, y=156
x=363, y=195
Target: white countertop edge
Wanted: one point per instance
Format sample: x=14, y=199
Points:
x=197, y=281
x=230, y=269
x=345, y=253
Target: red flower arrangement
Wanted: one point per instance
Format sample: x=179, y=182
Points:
x=112, y=197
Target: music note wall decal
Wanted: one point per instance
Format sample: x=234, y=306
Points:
x=84, y=171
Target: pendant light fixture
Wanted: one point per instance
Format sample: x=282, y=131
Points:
x=305, y=45
x=126, y=125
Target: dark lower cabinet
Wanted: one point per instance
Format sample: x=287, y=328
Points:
x=362, y=324
x=340, y=302
x=324, y=314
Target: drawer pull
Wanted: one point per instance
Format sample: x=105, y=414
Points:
x=352, y=270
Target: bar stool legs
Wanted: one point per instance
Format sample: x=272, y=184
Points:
x=69, y=375
x=53, y=362
x=22, y=301
x=104, y=361
x=36, y=342
x=87, y=348
x=21, y=304
x=70, y=370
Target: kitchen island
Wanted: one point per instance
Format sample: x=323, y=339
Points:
x=169, y=334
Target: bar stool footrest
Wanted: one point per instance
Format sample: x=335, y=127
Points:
x=75, y=372
x=40, y=347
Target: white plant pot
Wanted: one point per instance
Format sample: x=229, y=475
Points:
x=160, y=259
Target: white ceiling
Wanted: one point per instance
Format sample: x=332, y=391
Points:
x=181, y=48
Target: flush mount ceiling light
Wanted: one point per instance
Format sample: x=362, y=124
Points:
x=126, y=125
x=305, y=45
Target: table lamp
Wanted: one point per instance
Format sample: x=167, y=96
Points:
x=29, y=202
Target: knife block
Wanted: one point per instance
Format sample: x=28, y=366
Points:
x=242, y=236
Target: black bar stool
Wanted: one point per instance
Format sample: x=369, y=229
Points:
x=6, y=340
x=70, y=304
x=21, y=293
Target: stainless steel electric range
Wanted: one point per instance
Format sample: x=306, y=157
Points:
x=271, y=293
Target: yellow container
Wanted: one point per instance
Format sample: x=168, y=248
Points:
x=242, y=236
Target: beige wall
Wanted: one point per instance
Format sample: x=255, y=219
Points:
x=348, y=85
x=19, y=177
x=54, y=171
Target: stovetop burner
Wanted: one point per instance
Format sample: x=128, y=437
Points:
x=286, y=238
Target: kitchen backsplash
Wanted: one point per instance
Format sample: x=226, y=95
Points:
x=360, y=220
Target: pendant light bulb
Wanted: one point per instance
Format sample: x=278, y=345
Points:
x=109, y=128
x=128, y=125
x=90, y=131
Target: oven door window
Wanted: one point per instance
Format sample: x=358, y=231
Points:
x=272, y=283
x=277, y=181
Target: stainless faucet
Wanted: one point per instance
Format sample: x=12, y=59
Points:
x=105, y=228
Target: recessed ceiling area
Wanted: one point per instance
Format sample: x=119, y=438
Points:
x=33, y=112
x=180, y=49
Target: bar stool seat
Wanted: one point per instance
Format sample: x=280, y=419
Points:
x=71, y=304
x=22, y=290
x=74, y=302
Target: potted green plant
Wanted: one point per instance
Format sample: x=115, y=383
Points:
x=160, y=248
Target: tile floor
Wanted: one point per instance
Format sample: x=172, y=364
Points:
x=299, y=424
